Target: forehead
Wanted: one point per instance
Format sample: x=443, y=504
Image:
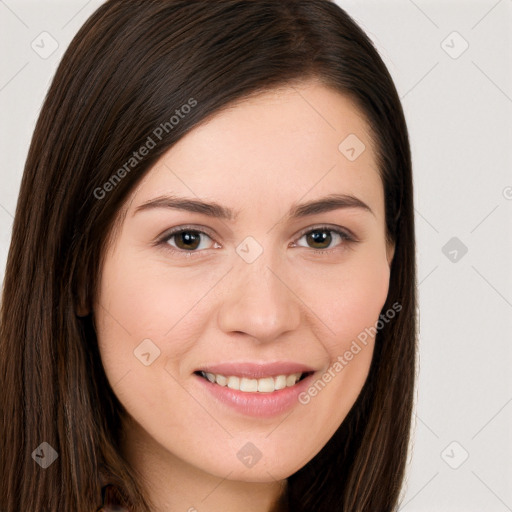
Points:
x=274, y=148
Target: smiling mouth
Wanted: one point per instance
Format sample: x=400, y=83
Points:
x=247, y=385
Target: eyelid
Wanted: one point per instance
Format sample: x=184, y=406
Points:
x=167, y=235
x=185, y=227
x=330, y=227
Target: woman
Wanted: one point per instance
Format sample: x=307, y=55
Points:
x=209, y=300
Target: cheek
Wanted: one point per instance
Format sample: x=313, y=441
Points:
x=145, y=323
x=350, y=309
x=138, y=302
x=352, y=301
x=145, y=298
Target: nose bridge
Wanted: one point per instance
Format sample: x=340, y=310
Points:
x=258, y=300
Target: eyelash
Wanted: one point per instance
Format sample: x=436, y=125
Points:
x=347, y=238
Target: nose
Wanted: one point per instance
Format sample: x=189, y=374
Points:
x=259, y=300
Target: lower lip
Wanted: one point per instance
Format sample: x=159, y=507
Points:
x=256, y=404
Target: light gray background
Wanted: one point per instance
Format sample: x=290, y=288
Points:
x=459, y=111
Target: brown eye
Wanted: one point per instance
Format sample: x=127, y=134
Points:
x=323, y=238
x=187, y=240
x=320, y=238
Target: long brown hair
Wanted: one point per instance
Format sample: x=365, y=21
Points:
x=127, y=71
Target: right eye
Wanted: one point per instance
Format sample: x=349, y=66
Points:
x=186, y=240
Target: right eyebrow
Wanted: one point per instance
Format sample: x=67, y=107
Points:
x=189, y=204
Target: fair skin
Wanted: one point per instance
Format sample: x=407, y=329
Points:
x=292, y=303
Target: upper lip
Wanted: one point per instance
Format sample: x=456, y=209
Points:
x=256, y=370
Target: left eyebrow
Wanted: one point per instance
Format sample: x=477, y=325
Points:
x=212, y=209
x=327, y=204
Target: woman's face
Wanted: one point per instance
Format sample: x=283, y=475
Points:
x=271, y=283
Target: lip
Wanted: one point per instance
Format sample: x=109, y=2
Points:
x=256, y=404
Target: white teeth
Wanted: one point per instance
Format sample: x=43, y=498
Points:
x=249, y=385
x=290, y=380
x=264, y=385
x=233, y=382
x=280, y=382
x=221, y=380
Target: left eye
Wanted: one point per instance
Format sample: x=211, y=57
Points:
x=322, y=237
